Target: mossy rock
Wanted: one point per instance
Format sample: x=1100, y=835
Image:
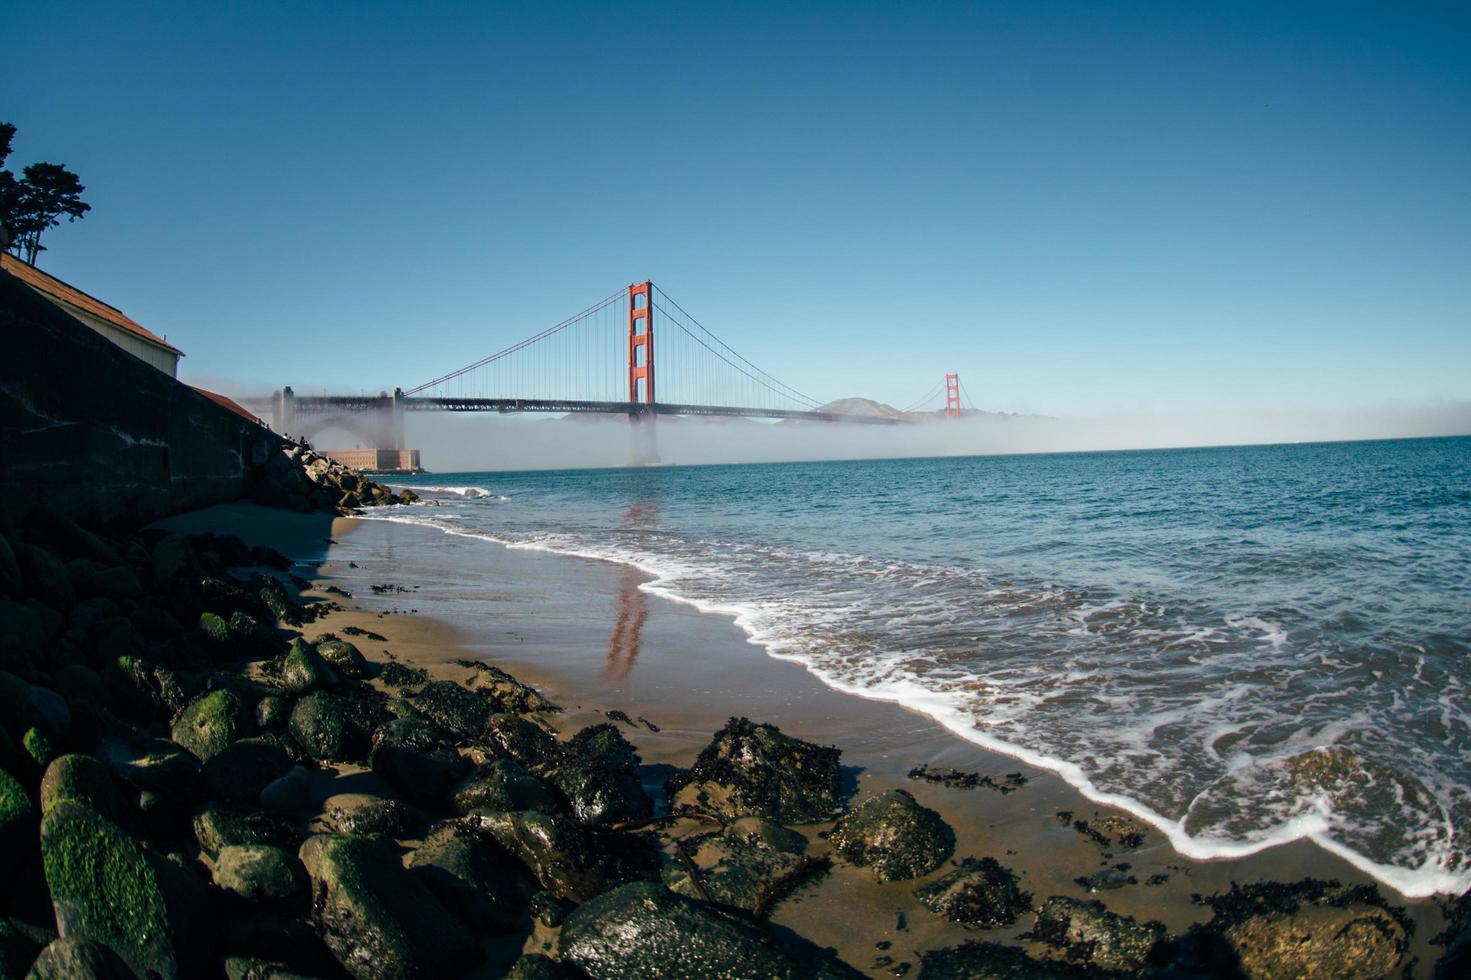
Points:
x=218, y=826
x=516, y=738
x=644, y=930
x=534, y=966
x=599, y=773
x=1093, y=936
x=164, y=775
x=239, y=771
x=173, y=558
x=211, y=722
x=411, y=757
x=327, y=727
x=471, y=875
x=272, y=712
x=893, y=836
x=83, y=779
x=303, y=670
x=19, y=945
x=398, y=676
x=41, y=707
x=978, y=893
x=460, y=713
x=344, y=658
x=259, y=873
x=215, y=630
x=105, y=889
x=73, y=958
x=377, y=918
x=365, y=815
x=39, y=747
x=504, y=785
x=991, y=961
x=751, y=769
x=17, y=825
x=570, y=860
x=742, y=870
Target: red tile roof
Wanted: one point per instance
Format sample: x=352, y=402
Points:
x=70, y=295
x=229, y=403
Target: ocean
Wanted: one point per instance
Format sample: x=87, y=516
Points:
x=1241, y=645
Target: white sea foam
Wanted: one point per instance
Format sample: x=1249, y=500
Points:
x=782, y=628
x=469, y=493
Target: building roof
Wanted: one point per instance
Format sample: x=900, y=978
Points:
x=71, y=296
x=229, y=403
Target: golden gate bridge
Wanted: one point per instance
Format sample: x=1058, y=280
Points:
x=602, y=360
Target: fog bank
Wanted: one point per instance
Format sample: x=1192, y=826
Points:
x=473, y=442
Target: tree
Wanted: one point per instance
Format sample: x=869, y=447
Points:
x=33, y=205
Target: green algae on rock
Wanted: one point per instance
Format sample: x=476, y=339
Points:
x=209, y=723
x=751, y=769
x=894, y=836
x=977, y=893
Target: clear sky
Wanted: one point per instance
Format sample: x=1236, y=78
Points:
x=1081, y=208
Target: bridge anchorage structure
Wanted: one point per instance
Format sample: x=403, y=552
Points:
x=601, y=360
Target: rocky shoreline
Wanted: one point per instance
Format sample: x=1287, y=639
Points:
x=197, y=780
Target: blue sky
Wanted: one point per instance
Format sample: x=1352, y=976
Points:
x=1082, y=208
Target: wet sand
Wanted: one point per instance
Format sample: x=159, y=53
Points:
x=585, y=634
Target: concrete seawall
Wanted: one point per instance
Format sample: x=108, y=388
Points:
x=95, y=433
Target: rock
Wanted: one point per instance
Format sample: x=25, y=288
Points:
x=1104, y=880
x=459, y=713
x=990, y=961
x=17, y=826
x=570, y=860
x=303, y=670
x=211, y=722
x=274, y=943
x=328, y=728
x=471, y=875
x=534, y=966
x=894, y=836
x=143, y=689
x=42, y=708
x=218, y=826
x=364, y=814
x=505, y=785
x=411, y=757
x=287, y=794
x=642, y=930
x=240, y=771
x=71, y=958
x=19, y=946
x=39, y=746
x=11, y=582
x=45, y=577
x=755, y=770
x=1092, y=935
x=379, y=920
x=1310, y=928
x=166, y=778
x=509, y=694
x=174, y=559
x=116, y=583
x=105, y=888
x=252, y=639
x=398, y=676
x=978, y=893
x=85, y=780
x=344, y=658
x=1456, y=960
x=259, y=873
x=272, y=712
x=516, y=738
x=22, y=634
x=600, y=775
x=749, y=867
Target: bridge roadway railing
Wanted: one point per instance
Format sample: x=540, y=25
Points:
x=338, y=404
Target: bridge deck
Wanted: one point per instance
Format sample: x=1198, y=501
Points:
x=315, y=404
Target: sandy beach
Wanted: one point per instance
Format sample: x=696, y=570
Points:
x=584, y=633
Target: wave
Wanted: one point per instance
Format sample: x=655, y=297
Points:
x=468, y=493
x=1304, y=793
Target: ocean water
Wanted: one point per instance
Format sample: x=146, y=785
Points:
x=1243, y=645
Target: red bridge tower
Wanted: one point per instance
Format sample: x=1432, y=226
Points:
x=952, y=396
x=641, y=343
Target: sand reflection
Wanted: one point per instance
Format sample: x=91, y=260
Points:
x=630, y=606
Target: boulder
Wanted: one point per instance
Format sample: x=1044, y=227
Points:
x=1456, y=960
x=240, y=771
x=259, y=873
x=751, y=769
x=894, y=836
x=643, y=930
x=105, y=888
x=303, y=670
x=461, y=714
x=19, y=946
x=45, y=577
x=11, y=582
x=329, y=728
x=85, y=780
x=71, y=958
x=272, y=712
x=750, y=866
x=472, y=876
x=513, y=737
x=978, y=893
x=364, y=814
x=1310, y=928
x=410, y=755
x=288, y=794
x=397, y=675
x=218, y=826
x=1094, y=936
x=990, y=961
x=344, y=658
x=252, y=639
x=505, y=785
x=17, y=826
x=570, y=860
x=143, y=689
x=534, y=966
x=209, y=723
x=507, y=693
x=165, y=778
x=379, y=920
x=43, y=708
x=599, y=773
